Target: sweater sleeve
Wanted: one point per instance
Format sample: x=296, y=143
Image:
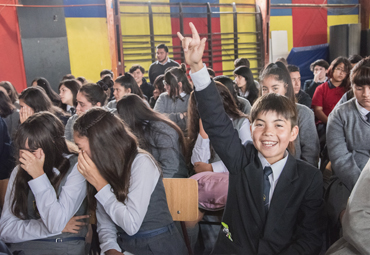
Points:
x=309, y=140
x=342, y=160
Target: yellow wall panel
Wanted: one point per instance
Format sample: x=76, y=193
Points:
x=246, y=23
x=138, y=24
x=340, y=20
x=88, y=47
x=278, y=23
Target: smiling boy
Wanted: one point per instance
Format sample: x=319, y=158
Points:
x=274, y=203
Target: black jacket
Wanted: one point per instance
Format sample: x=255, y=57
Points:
x=295, y=223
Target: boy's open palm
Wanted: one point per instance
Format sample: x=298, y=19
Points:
x=193, y=48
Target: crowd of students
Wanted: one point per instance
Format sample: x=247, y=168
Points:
x=255, y=148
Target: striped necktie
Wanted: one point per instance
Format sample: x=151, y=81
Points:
x=266, y=187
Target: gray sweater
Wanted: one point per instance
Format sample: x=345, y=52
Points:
x=68, y=131
x=172, y=109
x=306, y=144
x=246, y=106
x=348, y=141
x=166, y=150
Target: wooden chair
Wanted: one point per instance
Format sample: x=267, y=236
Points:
x=3, y=186
x=182, y=200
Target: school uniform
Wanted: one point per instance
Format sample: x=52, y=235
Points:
x=48, y=214
x=143, y=225
x=294, y=222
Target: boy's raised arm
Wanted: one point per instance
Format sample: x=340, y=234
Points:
x=217, y=124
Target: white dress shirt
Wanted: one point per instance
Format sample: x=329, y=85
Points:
x=54, y=212
x=129, y=216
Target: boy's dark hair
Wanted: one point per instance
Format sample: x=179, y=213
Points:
x=360, y=74
x=68, y=77
x=354, y=59
x=273, y=102
x=241, y=62
x=162, y=46
x=293, y=68
x=106, y=71
x=319, y=62
x=211, y=72
x=135, y=67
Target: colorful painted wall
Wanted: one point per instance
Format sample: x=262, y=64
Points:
x=221, y=23
x=310, y=26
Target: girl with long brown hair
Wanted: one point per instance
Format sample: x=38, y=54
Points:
x=44, y=192
x=130, y=199
x=156, y=134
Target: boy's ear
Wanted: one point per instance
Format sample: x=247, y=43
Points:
x=293, y=133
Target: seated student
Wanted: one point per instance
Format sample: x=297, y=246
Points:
x=319, y=69
x=8, y=88
x=202, y=154
x=174, y=102
x=7, y=161
x=156, y=134
x=130, y=199
x=355, y=221
x=33, y=100
x=275, y=78
x=88, y=96
x=68, y=90
x=243, y=104
x=137, y=71
x=278, y=213
x=158, y=89
x=347, y=130
x=124, y=85
x=104, y=73
x=246, y=86
x=301, y=96
x=44, y=83
x=82, y=80
x=354, y=59
x=244, y=62
x=44, y=192
x=9, y=113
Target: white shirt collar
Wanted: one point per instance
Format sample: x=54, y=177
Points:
x=168, y=61
x=277, y=167
x=362, y=110
x=182, y=94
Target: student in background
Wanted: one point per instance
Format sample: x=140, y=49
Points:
x=9, y=113
x=265, y=212
x=354, y=59
x=68, y=90
x=7, y=161
x=124, y=85
x=88, y=96
x=346, y=133
x=302, y=97
x=43, y=83
x=243, y=104
x=107, y=72
x=174, y=102
x=8, y=88
x=33, y=100
x=44, y=199
x=163, y=62
x=244, y=62
x=246, y=86
x=125, y=187
x=137, y=71
x=275, y=78
x=319, y=69
x=211, y=72
x=158, y=89
x=156, y=134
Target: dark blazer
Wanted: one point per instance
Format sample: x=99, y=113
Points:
x=295, y=223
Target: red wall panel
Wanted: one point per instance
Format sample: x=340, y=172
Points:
x=11, y=56
x=309, y=24
x=201, y=25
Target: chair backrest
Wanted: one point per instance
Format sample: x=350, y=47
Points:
x=182, y=198
x=3, y=186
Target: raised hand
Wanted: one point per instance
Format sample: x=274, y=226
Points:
x=89, y=170
x=193, y=48
x=74, y=224
x=33, y=165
